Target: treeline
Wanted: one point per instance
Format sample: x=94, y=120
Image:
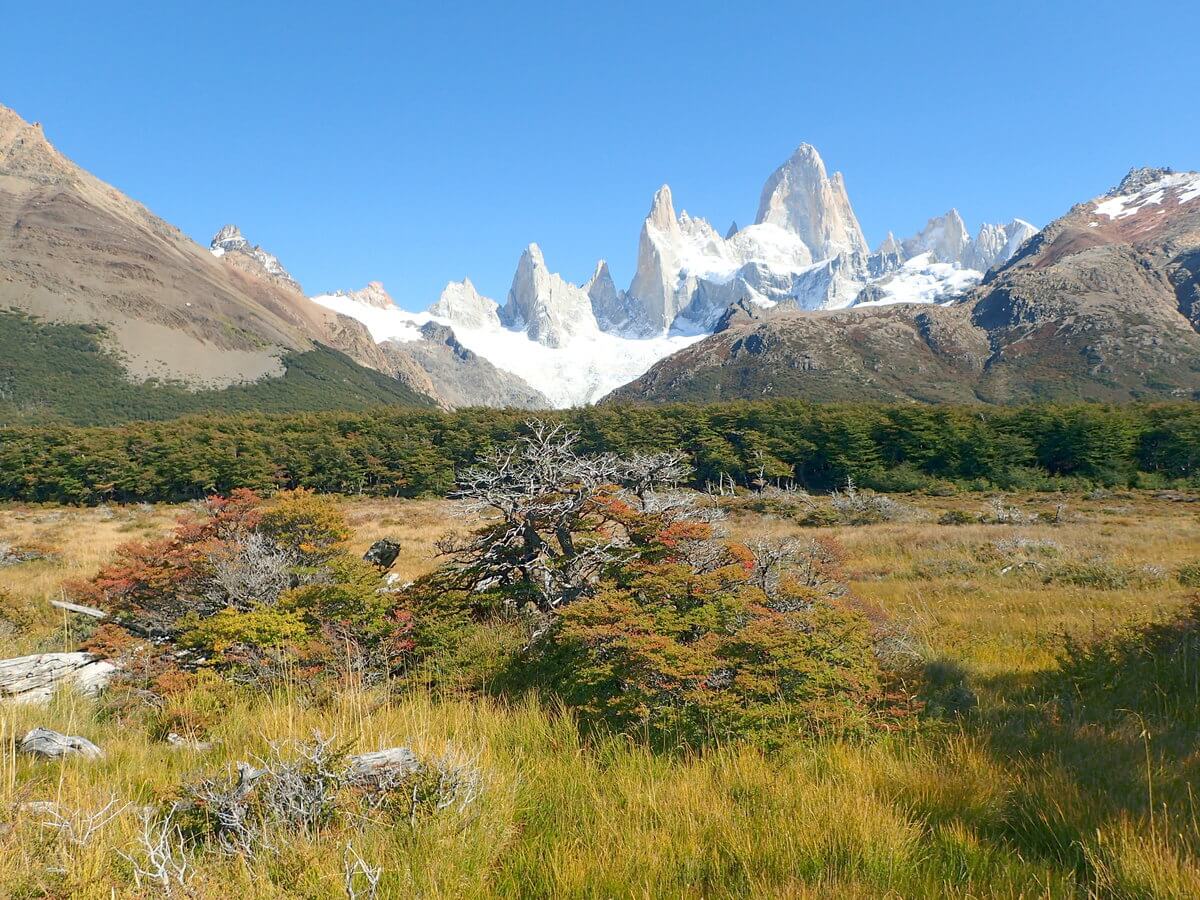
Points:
x=411, y=452
x=53, y=372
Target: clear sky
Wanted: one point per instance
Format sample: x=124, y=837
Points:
x=418, y=143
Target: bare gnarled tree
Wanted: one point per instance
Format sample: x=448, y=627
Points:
x=557, y=529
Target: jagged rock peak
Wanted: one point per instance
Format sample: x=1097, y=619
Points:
x=996, y=244
x=801, y=197
x=541, y=303
x=944, y=236
x=463, y=305
x=229, y=238
x=890, y=245
x=373, y=294
x=1138, y=178
x=25, y=151
x=601, y=277
x=733, y=229
x=609, y=305
x=662, y=210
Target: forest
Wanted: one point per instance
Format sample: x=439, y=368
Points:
x=408, y=452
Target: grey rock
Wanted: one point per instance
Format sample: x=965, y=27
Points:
x=382, y=554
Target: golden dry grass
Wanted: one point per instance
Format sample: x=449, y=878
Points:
x=966, y=810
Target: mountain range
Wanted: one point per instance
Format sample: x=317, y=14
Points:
x=1102, y=303
x=574, y=344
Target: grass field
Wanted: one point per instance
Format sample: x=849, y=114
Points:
x=1032, y=793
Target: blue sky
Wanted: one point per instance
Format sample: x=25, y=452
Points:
x=416, y=143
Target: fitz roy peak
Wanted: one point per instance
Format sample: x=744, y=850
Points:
x=805, y=251
x=802, y=199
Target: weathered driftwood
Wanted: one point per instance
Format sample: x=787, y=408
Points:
x=179, y=742
x=54, y=745
x=79, y=608
x=399, y=761
x=32, y=679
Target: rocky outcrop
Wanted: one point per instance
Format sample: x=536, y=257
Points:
x=463, y=305
x=382, y=554
x=995, y=245
x=374, y=294
x=610, y=306
x=945, y=237
x=229, y=242
x=654, y=280
x=457, y=376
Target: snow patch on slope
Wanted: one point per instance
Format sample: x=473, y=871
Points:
x=1184, y=185
x=922, y=280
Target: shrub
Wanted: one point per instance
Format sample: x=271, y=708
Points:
x=260, y=628
x=302, y=787
x=246, y=585
x=1103, y=574
x=958, y=517
x=1000, y=513
x=855, y=507
x=306, y=524
x=1189, y=574
x=820, y=517
x=632, y=608
x=694, y=657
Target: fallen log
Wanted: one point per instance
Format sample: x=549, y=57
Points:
x=34, y=679
x=80, y=608
x=54, y=745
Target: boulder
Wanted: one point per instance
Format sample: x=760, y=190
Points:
x=50, y=744
x=382, y=554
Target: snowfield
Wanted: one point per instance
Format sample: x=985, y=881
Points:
x=591, y=365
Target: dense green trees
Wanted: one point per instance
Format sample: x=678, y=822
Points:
x=411, y=452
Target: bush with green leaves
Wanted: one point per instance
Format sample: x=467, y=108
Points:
x=248, y=585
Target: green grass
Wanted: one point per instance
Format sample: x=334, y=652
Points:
x=61, y=373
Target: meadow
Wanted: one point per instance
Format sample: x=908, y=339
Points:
x=1025, y=783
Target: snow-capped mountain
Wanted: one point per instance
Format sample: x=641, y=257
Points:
x=462, y=304
x=805, y=250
